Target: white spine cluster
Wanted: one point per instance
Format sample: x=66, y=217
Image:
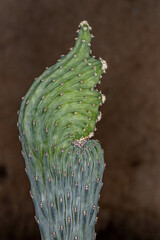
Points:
x=103, y=98
x=104, y=65
x=85, y=23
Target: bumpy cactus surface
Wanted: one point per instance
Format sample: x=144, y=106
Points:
x=57, y=118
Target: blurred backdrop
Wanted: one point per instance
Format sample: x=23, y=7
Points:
x=33, y=34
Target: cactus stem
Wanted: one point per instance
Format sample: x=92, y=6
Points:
x=56, y=121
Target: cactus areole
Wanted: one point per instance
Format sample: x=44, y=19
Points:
x=56, y=122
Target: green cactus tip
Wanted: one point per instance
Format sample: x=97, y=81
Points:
x=56, y=122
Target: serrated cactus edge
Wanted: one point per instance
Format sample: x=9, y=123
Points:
x=56, y=122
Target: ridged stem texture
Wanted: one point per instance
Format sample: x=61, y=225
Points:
x=65, y=166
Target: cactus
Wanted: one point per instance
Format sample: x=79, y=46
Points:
x=56, y=122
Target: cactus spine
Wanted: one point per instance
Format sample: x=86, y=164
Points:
x=56, y=120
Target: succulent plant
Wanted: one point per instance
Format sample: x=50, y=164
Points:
x=56, y=122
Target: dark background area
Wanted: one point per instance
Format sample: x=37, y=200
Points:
x=33, y=34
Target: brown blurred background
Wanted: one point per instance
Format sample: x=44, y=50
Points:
x=33, y=34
